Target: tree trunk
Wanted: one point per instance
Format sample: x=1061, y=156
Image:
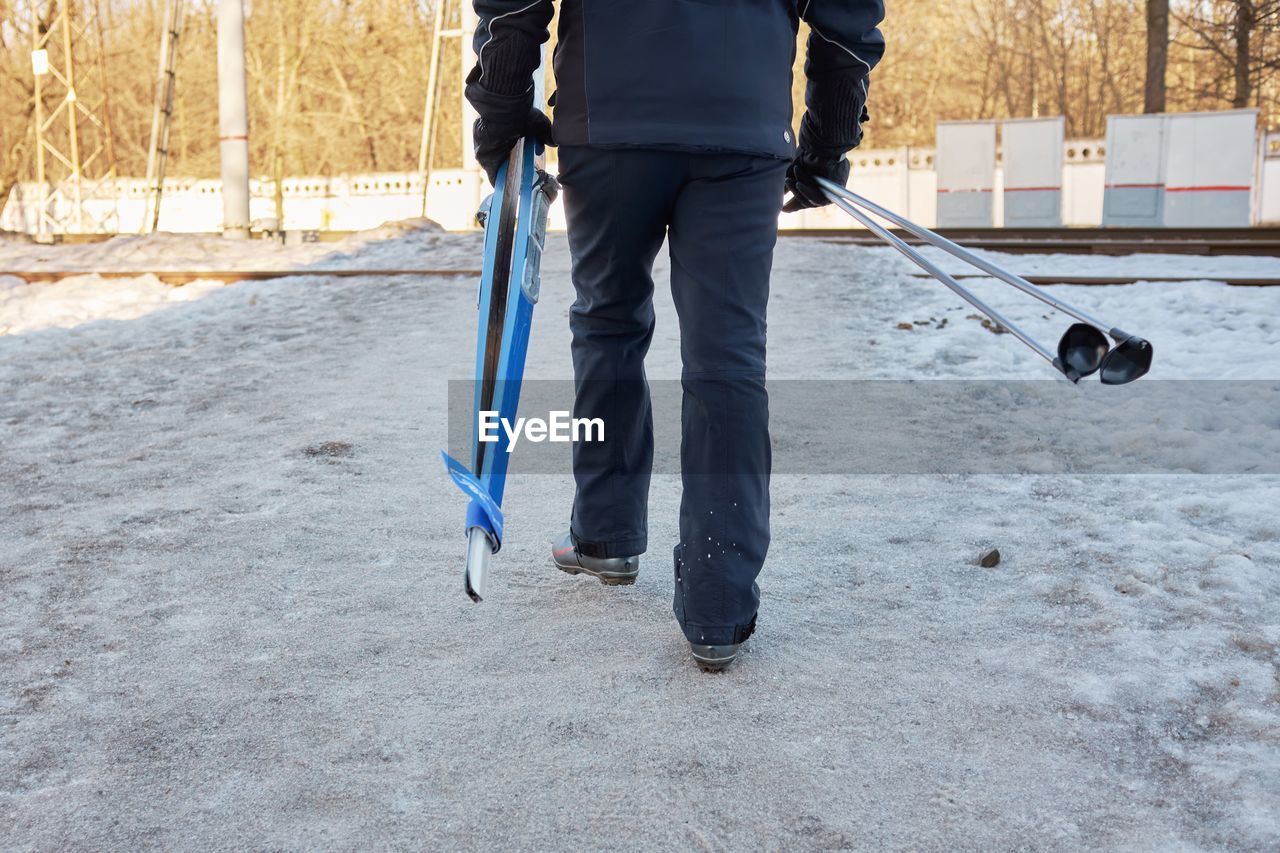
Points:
x=1246, y=21
x=1157, y=55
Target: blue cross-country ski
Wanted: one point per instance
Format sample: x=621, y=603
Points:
x=515, y=227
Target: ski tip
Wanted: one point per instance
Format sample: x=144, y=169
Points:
x=476, y=573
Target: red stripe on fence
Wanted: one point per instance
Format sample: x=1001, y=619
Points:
x=1206, y=189
x=1168, y=189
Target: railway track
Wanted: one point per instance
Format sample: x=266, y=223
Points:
x=1096, y=241
x=1263, y=241
x=179, y=277
x=1235, y=281
x=1090, y=241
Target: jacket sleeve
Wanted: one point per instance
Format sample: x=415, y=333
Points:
x=844, y=45
x=508, y=42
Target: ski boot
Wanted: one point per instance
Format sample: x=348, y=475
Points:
x=612, y=571
x=714, y=658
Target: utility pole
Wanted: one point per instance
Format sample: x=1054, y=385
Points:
x=74, y=157
x=469, y=22
x=233, y=120
x=430, y=119
x=162, y=117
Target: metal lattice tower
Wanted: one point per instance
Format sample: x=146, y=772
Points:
x=72, y=119
x=162, y=117
x=454, y=19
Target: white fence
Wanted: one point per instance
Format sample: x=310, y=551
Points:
x=901, y=178
x=1267, y=202
x=904, y=180
x=344, y=203
x=1216, y=172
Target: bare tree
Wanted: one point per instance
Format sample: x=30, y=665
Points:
x=1155, y=93
x=1229, y=53
x=1242, y=62
x=337, y=86
x=17, y=95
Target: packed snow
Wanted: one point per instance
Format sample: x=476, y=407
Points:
x=232, y=611
x=83, y=295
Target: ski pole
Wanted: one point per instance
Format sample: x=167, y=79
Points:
x=936, y=239
x=962, y=291
x=1079, y=350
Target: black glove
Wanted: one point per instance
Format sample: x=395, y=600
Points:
x=804, y=190
x=822, y=154
x=495, y=137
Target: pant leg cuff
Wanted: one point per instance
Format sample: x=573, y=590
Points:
x=612, y=548
x=718, y=635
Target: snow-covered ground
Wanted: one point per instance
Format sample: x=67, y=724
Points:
x=231, y=611
x=84, y=295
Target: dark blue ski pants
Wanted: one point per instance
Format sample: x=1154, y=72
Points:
x=719, y=214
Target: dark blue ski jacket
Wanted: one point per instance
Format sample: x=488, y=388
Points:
x=702, y=75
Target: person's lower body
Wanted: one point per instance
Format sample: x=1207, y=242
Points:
x=719, y=214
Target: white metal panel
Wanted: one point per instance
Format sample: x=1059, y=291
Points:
x=1210, y=168
x=966, y=164
x=1032, y=168
x=1032, y=150
x=1134, y=192
x=966, y=156
x=1135, y=149
x=1211, y=149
